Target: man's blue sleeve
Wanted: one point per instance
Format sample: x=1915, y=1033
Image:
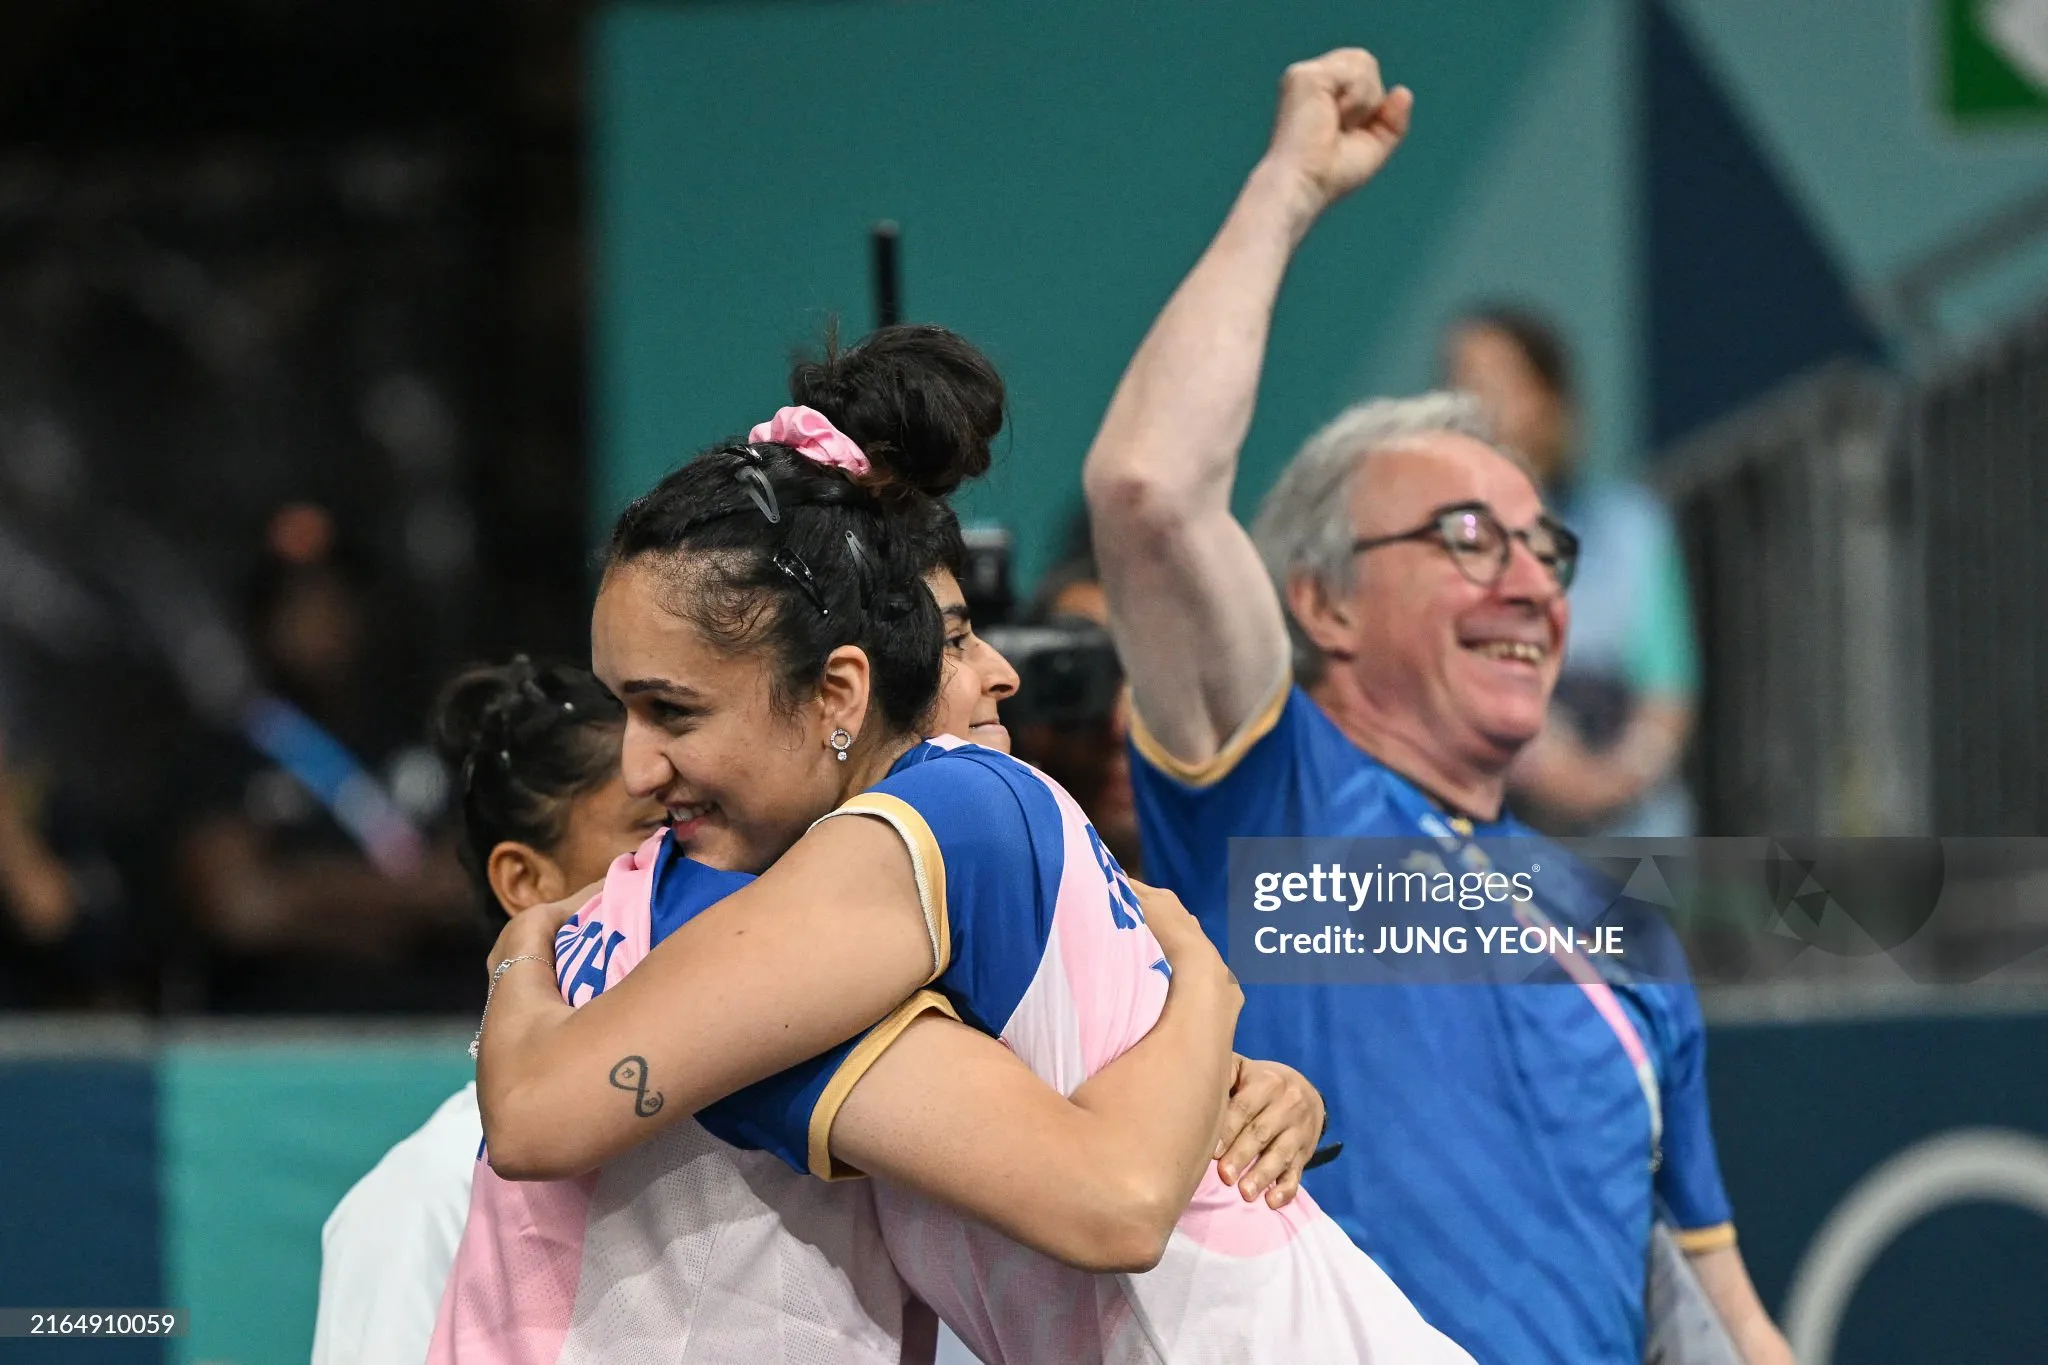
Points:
x=1689, y=1181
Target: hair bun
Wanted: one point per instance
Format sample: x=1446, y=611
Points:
x=487, y=707
x=476, y=708
x=923, y=403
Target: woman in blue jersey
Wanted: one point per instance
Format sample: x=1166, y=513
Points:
x=763, y=621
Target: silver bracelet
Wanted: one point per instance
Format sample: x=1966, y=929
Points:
x=476, y=1044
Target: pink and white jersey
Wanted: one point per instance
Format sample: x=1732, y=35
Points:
x=1041, y=942
x=686, y=1250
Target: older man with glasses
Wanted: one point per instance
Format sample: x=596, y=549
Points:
x=1367, y=663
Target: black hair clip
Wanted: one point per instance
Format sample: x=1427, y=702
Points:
x=760, y=490
x=792, y=567
x=861, y=569
x=860, y=556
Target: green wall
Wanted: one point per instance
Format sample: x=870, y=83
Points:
x=1848, y=95
x=1056, y=167
x=260, y=1140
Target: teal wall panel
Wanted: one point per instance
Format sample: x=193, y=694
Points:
x=1804, y=1112
x=1056, y=168
x=78, y=1210
x=1548, y=217
x=260, y=1141
x=1847, y=94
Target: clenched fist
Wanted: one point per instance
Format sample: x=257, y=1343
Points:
x=1337, y=125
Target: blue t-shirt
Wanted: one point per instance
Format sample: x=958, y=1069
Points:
x=1496, y=1138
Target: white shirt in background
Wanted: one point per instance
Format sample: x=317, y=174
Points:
x=387, y=1247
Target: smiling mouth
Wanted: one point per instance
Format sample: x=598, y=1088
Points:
x=1515, y=651
x=684, y=815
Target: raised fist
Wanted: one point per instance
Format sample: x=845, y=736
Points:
x=1338, y=124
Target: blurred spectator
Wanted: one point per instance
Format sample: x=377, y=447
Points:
x=1608, y=761
x=290, y=913
x=1091, y=761
x=67, y=939
x=42, y=904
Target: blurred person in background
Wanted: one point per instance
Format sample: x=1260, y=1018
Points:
x=1089, y=760
x=1608, y=760
x=67, y=937
x=290, y=913
x=1367, y=663
x=35, y=886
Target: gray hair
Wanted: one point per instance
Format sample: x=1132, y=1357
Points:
x=1304, y=524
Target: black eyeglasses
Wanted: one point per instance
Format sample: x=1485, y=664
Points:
x=1479, y=545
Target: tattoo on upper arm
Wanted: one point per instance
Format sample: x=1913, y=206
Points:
x=631, y=1074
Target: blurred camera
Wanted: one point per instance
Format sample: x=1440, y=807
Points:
x=985, y=575
x=1067, y=672
x=1067, y=669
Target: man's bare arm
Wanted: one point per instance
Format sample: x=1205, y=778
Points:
x=1564, y=780
x=1726, y=1280
x=1197, y=622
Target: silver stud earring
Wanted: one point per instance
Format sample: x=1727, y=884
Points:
x=841, y=742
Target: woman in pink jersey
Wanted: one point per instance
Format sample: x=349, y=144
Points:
x=777, y=656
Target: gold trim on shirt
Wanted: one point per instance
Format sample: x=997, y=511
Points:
x=1696, y=1241
x=1218, y=766
x=864, y=1055
x=927, y=865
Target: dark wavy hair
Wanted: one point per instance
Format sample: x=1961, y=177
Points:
x=524, y=740
x=770, y=552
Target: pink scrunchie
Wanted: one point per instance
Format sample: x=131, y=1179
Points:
x=811, y=434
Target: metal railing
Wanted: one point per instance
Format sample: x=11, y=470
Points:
x=1800, y=566
x=1871, y=591
x=1977, y=438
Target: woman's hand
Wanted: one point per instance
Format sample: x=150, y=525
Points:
x=1270, y=1130
x=1180, y=935
x=531, y=932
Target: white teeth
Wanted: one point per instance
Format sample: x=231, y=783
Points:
x=1511, y=649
